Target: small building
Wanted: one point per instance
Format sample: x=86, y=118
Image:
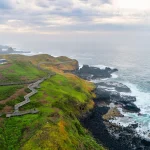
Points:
x=3, y=61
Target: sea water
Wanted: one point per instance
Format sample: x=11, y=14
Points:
x=134, y=71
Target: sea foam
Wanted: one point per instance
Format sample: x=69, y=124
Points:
x=143, y=119
x=102, y=66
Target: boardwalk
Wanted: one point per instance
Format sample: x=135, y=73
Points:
x=33, y=88
x=20, y=113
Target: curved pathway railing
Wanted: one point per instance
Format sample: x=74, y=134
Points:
x=32, y=87
x=17, y=83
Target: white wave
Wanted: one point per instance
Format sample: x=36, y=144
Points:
x=114, y=75
x=143, y=98
x=104, y=79
x=95, y=80
x=122, y=121
x=102, y=66
x=107, y=88
x=143, y=120
x=98, y=80
x=80, y=66
x=29, y=54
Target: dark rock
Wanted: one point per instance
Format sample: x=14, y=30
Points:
x=127, y=99
x=115, y=70
x=112, y=136
x=102, y=94
x=111, y=70
x=131, y=107
x=123, y=89
x=134, y=126
x=122, y=99
x=88, y=73
x=119, y=87
x=140, y=148
x=145, y=142
x=115, y=97
x=127, y=137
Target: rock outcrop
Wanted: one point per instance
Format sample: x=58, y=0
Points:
x=88, y=73
x=109, y=96
x=114, y=96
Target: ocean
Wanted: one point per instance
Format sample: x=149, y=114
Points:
x=134, y=71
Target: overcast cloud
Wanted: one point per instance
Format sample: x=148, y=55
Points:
x=70, y=26
x=52, y=16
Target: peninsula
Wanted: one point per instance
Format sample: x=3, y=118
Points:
x=47, y=102
x=10, y=50
x=41, y=102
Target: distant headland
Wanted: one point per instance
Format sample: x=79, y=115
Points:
x=9, y=50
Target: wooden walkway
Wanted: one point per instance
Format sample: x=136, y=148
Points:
x=33, y=88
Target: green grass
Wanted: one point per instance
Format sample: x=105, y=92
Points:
x=56, y=125
x=7, y=91
x=12, y=130
x=15, y=101
x=2, y=106
x=21, y=71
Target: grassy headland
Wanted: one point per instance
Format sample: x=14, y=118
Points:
x=60, y=100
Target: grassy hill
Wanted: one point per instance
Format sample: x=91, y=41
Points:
x=20, y=71
x=24, y=68
x=60, y=100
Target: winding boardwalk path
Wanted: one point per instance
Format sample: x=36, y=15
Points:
x=33, y=88
x=17, y=83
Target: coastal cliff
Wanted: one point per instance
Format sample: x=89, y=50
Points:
x=111, y=101
x=70, y=113
x=60, y=101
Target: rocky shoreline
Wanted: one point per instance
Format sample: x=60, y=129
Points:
x=108, y=100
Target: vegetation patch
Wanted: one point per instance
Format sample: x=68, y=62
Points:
x=21, y=71
x=15, y=101
x=60, y=100
x=7, y=91
x=56, y=125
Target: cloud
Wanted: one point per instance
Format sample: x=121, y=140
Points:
x=6, y=4
x=46, y=16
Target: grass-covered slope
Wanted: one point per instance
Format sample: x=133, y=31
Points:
x=24, y=68
x=7, y=91
x=60, y=100
x=19, y=71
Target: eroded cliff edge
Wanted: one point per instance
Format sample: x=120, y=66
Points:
x=109, y=99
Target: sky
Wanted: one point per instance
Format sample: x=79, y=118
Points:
x=29, y=22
